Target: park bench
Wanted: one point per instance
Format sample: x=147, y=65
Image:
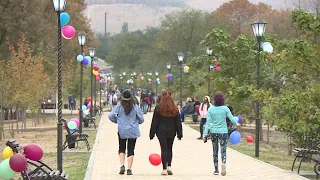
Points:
x=37, y=170
x=87, y=121
x=309, y=153
x=72, y=138
x=194, y=117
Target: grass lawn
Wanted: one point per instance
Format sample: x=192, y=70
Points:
x=275, y=152
x=74, y=163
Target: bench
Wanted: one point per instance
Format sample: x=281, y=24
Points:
x=37, y=170
x=72, y=138
x=194, y=117
x=310, y=153
x=87, y=121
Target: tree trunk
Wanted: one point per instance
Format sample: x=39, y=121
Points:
x=1, y=118
x=268, y=132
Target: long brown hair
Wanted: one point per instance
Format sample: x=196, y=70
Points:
x=166, y=105
x=127, y=104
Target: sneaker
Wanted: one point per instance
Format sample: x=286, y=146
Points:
x=199, y=138
x=122, y=169
x=216, y=172
x=223, y=172
x=169, y=170
x=164, y=172
x=129, y=172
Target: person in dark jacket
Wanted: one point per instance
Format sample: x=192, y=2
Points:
x=188, y=109
x=166, y=125
x=196, y=102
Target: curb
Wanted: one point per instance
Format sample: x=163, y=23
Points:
x=93, y=153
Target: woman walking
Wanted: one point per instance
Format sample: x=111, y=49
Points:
x=128, y=116
x=166, y=124
x=216, y=116
x=204, y=106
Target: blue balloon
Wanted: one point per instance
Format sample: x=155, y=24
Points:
x=170, y=75
x=185, y=71
x=235, y=137
x=64, y=18
x=100, y=81
x=240, y=119
x=89, y=59
x=84, y=107
x=79, y=58
x=85, y=61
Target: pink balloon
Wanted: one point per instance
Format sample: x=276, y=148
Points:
x=218, y=68
x=167, y=76
x=33, y=152
x=89, y=106
x=95, y=67
x=68, y=32
x=18, y=162
x=98, y=78
x=76, y=120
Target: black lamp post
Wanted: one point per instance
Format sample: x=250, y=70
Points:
x=180, y=58
x=95, y=95
x=91, y=52
x=100, y=95
x=209, y=53
x=82, y=41
x=258, y=28
x=157, y=82
x=59, y=6
x=169, y=71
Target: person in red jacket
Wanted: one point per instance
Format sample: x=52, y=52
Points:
x=148, y=103
x=166, y=124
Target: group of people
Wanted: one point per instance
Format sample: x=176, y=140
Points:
x=166, y=125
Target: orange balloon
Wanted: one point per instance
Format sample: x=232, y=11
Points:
x=89, y=99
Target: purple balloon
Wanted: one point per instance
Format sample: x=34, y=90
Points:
x=85, y=61
x=170, y=79
x=240, y=119
x=183, y=65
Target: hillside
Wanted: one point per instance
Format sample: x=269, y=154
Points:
x=141, y=16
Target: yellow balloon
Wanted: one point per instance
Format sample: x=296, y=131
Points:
x=7, y=152
x=94, y=72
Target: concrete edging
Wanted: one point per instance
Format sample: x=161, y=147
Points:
x=93, y=154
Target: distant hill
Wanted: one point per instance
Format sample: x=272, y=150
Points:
x=150, y=12
x=153, y=3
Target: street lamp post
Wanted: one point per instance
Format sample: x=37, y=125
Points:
x=258, y=28
x=156, y=83
x=82, y=41
x=209, y=53
x=91, y=52
x=100, y=95
x=180, y=58
x=169, y=70
x=95, y=95
x=59, y=6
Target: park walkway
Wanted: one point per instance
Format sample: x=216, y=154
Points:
x=192, y=159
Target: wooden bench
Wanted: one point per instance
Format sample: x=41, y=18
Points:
x=310, y=153
x=72, y=138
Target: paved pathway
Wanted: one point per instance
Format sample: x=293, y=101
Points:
x=192, y=159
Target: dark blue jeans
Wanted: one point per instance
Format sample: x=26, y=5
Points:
x=184, y=112
x=202, y=123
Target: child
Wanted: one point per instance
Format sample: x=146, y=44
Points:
x=148, y=103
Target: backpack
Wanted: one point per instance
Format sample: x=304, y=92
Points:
x=114, y=100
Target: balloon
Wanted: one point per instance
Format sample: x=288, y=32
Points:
x=98, y=78
x=88, y=58
x=89, y=99
x=183, y=65
x=79, y=58
x=235, y=137
x=18, y=162
x=95, y=67
x=249, y=139
x=7, y=153
x=100, y=81
x=89, y=106
x=167, y=76
x=240, y=119
x=236, y=118
x=265, y=44
x=211, y=67
x=72, y=125
x=64, y=18
x=268, y=48
x=76, y=121
x=84, y=107
x=170, y=75
x=155, y=159
x=98, y=74
x=185, y=71
x=85, y=61
x=5, y=171
x=218, y=68
x=33, y=152
x=94, y=72
x=68, y=32
x=170, y=79
x=85, y=112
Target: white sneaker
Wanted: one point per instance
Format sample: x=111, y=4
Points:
x=223, y=171
x=164, y=172
x=169, y=170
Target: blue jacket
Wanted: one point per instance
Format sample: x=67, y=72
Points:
x=128, y=125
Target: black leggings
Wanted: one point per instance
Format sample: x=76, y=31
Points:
x=166, y=151
x=123, y=144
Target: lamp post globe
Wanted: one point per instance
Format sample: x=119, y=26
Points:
x=92, y=51
x=59, y=5
x=156, y=73
x=124, y=73
x=180, y=56
x=168, y=65
x=209, y=51
x=82, y=38
x=259, y=28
